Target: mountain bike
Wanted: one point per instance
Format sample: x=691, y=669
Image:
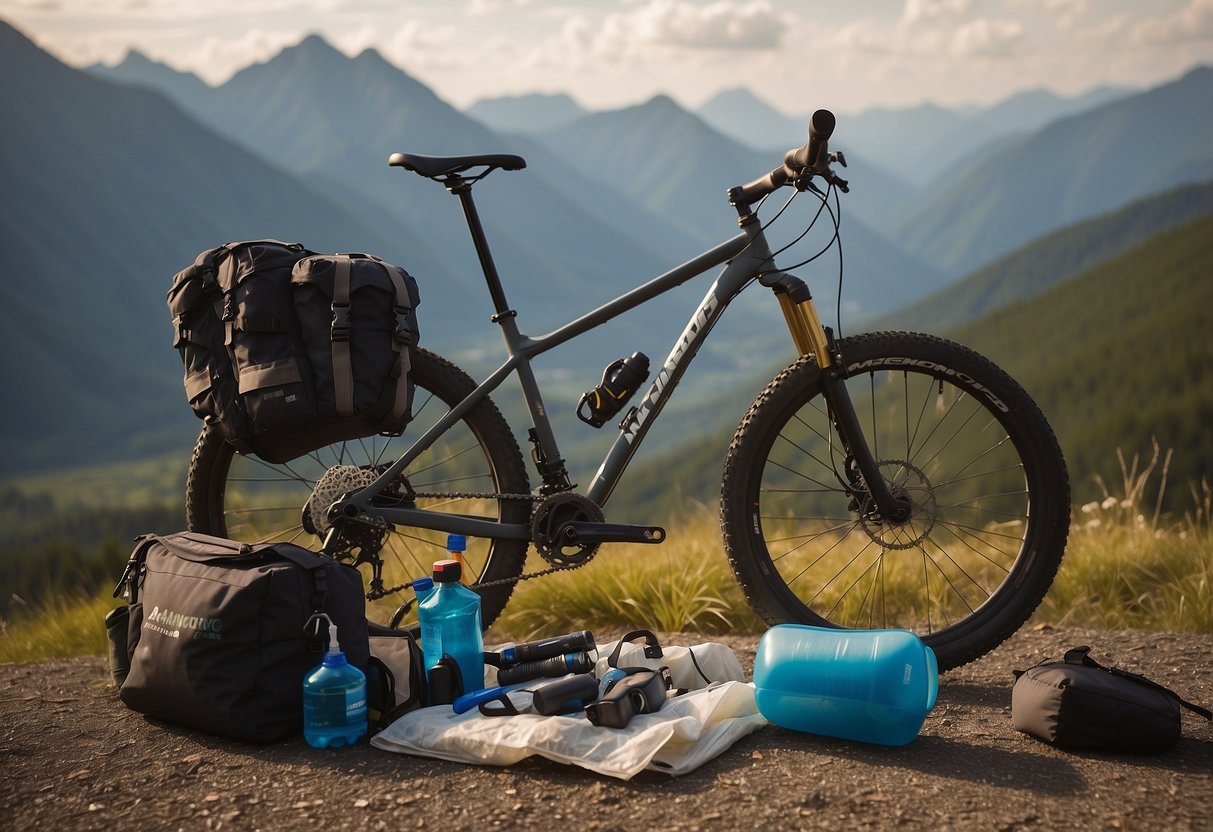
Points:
x=888, y=479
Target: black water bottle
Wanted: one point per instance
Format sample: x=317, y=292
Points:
x=620, y=380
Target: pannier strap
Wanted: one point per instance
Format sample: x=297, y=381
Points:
x=343, y=371
x=401, y=342
x=343, y=368
x=1081, y=656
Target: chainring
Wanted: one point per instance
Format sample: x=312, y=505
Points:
x=547, y=523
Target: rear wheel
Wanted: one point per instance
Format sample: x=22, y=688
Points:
x=248, y=499
x=954, y=434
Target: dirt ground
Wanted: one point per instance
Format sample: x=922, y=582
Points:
x=72, y=757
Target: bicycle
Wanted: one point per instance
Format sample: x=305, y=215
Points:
x=889, y=479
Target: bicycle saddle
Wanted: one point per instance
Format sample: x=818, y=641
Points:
x=433, y=167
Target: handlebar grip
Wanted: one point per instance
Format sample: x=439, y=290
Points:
x=815, y=154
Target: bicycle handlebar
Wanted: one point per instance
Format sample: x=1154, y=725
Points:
x=811, y=159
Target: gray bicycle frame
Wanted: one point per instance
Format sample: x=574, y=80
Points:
x=746, y=255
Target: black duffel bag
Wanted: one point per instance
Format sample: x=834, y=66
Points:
x=1078, y=704
x=220, y=634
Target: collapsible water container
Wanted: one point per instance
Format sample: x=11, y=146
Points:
x=874, y=686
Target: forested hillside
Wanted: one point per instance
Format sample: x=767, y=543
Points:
x=1050, y=260
x=1121, y=355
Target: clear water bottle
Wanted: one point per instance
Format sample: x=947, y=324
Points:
x=334, y=700
x=450, y=625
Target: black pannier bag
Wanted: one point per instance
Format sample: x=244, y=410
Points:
x=203, y=303
x=288, y=350
x=1078, y=704
x=220, y=634
x=357, y=321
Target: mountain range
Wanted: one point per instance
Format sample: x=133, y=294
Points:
x=920, y=142
x=109, y=190
x=118, y=176
x=1068, y=170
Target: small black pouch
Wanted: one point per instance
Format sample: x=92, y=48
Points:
x=1078, y=704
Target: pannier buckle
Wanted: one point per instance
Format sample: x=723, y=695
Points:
x=341, y=322
x=403, y=334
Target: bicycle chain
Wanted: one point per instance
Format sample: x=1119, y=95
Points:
x=477, y=495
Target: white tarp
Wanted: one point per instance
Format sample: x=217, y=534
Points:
x=688, y=731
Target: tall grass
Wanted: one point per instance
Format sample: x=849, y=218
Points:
x=1127, y=566
x=683, y=585
x=62, y=626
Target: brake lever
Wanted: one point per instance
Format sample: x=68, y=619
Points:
x=836, y=180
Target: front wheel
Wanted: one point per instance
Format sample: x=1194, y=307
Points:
x=468, y=470
x=951, y=432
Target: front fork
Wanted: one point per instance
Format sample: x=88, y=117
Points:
x=811, y=338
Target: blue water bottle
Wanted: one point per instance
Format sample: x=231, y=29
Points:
x=422, y=588
x=450, y=625
x=334, y=699
x=874, y=686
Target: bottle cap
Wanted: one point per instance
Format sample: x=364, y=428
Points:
x=422, y=584
x=456, y=543
x=447, y=571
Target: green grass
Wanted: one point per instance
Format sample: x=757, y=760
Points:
x=65, y=625
x=682, y=585
x=1127, y=566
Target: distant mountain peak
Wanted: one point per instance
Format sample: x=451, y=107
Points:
x=530, y=113
x=662, y=103
x=315, y=42
x=313, y=49
x=736, y=97
x=135, y=58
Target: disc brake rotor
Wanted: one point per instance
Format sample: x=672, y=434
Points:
x=905, y=480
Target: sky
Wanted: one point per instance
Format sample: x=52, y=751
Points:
x=796, y=54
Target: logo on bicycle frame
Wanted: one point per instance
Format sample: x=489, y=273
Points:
x=694, y=333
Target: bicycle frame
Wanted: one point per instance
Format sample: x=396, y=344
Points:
x=745, y=257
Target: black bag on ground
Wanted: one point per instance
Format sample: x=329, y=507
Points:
x=1078, y=704
x=395, y=676
x=220, y=633
x=288, y=350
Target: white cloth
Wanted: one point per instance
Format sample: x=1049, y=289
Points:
x=688, y=731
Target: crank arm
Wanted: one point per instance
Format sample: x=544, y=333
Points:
x=578, y=532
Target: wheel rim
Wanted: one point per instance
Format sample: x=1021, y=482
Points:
x=946, y=448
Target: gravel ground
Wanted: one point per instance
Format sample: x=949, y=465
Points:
x=73, y=757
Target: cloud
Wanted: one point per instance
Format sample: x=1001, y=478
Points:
x=216, y=58
x=935, y=11
x=1067, y=13
x=492, y=6
x=987, y=38
x=420, y=44
x=725, y=24
x=1193, y=22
